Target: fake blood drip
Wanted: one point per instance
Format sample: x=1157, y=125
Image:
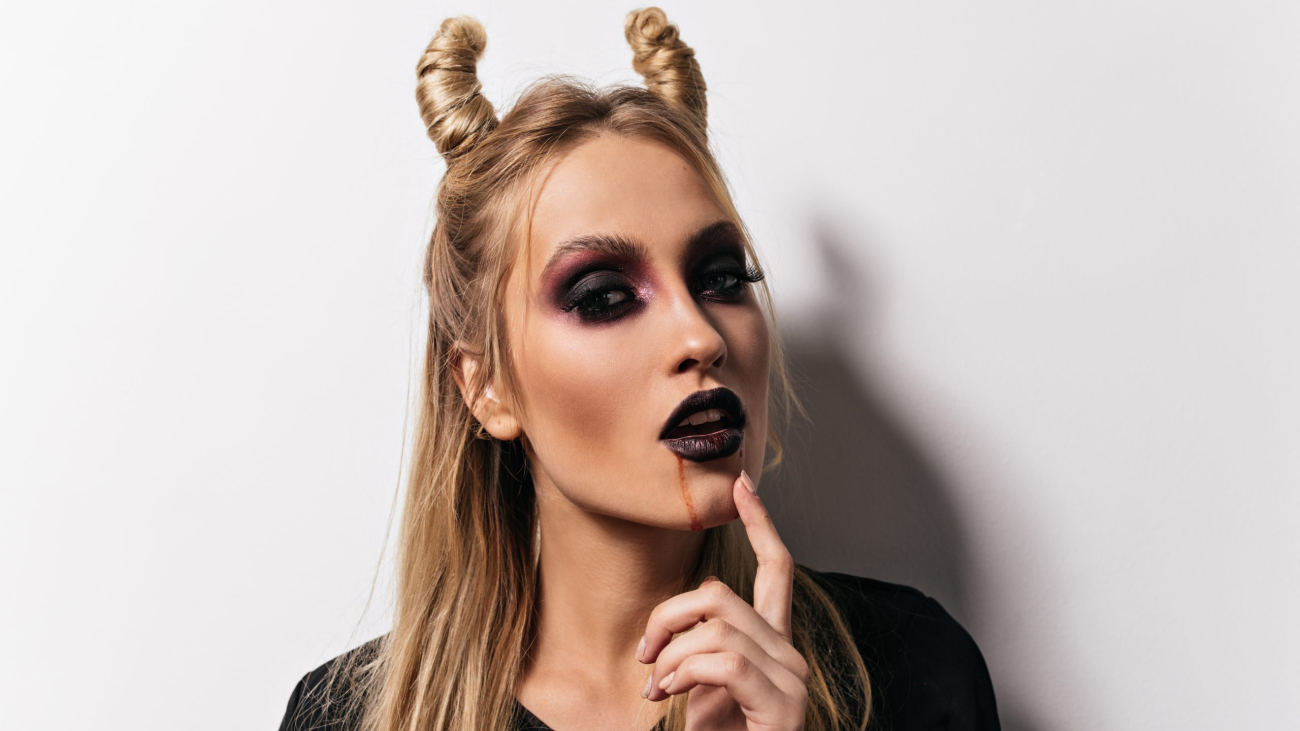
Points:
x=686, y=494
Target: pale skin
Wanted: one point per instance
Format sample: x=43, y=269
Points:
x=592, y=398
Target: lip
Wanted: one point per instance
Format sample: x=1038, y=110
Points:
x=705, y=447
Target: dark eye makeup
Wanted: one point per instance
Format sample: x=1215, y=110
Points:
x=724, y=277
x=599, y=294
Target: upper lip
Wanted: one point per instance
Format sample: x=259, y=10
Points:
x=714, y=398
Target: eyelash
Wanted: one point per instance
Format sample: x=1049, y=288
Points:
x=744, y=276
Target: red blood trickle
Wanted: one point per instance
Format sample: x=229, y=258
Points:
x=686, y=494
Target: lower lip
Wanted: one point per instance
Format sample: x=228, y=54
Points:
x=705, y=447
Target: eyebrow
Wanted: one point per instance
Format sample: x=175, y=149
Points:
x=625, y=248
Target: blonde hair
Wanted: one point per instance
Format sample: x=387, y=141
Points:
x=466, y=589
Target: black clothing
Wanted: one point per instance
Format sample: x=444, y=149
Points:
x=926, y=672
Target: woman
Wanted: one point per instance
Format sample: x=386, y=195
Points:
x=594, y=419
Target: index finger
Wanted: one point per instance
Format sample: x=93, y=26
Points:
x=774, y=582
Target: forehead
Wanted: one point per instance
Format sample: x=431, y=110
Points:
x=614, y=184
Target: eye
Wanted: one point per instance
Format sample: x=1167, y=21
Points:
x=601, y=297
x=726, y=278
x=720, y=281
x=601, y=305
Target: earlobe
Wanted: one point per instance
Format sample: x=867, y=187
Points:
x=502, y=426
x=496, y=417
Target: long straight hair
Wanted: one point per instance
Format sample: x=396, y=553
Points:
x=467, y=581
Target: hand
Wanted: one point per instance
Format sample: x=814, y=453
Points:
x=738, y=662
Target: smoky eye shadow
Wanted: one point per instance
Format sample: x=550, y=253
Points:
x=721, y=263
x=717, y=242
x=720, y=256
x=598, y=281
x=568, y=282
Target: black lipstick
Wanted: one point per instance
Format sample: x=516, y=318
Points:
x=710, y=440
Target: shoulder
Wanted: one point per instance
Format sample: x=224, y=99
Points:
x=320, y=700
x=925, y=669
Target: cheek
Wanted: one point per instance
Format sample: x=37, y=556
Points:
x=750, y=349
x=749, y=344
x=580, y=389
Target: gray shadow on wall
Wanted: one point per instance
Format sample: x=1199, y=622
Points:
x=857, y=492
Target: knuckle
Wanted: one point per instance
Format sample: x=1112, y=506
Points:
x=687, y=666
x=800, y=696
x=795, y=661
x=717, y=591
x=735, y=664
x=781, y=559
x=719, y=630
x=801, y=669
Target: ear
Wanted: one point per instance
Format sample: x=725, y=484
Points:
x=494, y=413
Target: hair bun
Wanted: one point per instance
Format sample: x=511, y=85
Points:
x=455, y=112
x=666, y=63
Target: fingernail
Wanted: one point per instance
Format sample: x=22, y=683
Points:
x=640, y=649
x=667, y=681
x=646, y=693
x=749, y=484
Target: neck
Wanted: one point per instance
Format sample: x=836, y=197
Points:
x=600, y=577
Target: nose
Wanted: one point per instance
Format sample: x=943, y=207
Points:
x=697, y=344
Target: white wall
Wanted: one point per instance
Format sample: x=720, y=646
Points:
x=1040, y=261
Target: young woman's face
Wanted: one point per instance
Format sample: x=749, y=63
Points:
x=634, y=296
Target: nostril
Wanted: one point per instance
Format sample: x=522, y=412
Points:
x=702, y=344
x=691, y=363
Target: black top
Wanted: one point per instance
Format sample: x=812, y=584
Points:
x=925, y=670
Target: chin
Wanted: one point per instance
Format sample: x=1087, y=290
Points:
x=719, y=519
x=712, y=502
